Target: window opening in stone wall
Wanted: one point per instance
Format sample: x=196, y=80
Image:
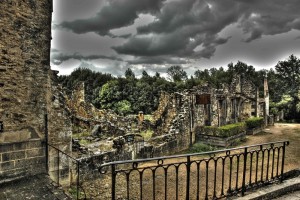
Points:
x=203, y=99
x=1, y=126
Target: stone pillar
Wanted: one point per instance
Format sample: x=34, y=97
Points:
x=141, y=117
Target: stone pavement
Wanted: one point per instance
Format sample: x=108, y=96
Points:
x=32, y=188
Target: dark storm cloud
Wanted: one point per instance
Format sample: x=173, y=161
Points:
x=181, y=26
x=181, y=29
x=114, y=14
x=59, y=58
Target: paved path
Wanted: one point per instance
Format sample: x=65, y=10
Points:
x=33, y=188
x=291, y=196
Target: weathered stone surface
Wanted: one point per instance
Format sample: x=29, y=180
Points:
x=27, y=88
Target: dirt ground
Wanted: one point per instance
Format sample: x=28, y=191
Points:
x=280, y=132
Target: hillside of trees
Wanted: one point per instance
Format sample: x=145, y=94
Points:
x=128, y=94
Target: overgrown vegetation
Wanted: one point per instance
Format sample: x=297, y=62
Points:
x=128, y=94
x=254, y=122
x=147, y=134
x=222, y=131
x=201, y=147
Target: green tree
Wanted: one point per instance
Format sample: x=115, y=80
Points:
x=288, y=73
x=129, y=74
x=123, y=107
x=176, y=73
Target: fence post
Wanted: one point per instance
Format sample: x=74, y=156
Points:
x=188, y=172
x=244, y=172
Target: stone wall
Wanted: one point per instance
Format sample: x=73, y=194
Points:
x=26, y=89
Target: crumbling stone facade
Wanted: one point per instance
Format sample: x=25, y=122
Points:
x=27, y=90
x=180, y=113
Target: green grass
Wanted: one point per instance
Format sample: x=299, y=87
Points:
x=147, y=134
x=201, y=147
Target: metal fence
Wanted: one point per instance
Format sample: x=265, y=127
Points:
x=63, y=169
x=208, y=175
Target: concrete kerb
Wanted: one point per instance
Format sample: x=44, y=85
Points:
x=290, y=184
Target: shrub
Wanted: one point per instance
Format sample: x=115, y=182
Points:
x=254, y=122
x=222, y=131
x=200, y=147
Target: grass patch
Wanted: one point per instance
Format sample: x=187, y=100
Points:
x=148, y=117
x=201, y=147
x=147, y=134
x=81, y=135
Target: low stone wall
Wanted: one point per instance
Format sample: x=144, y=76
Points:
x=219, y=141
x=22, y=159
x=254, y=131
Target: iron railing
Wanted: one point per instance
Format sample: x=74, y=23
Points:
x=208, y=175
x=62, y=166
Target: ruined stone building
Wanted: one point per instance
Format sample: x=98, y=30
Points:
x=180, y=113
x=31, y=108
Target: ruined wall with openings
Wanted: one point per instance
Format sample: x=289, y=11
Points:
x=26, y=93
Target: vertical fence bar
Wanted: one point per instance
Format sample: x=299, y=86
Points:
x=262, y=166
x=230, y=173
x=57, y=167
x=46, y=140
x=153, y=178
x=256, y=167
x=223, y=164
x=113, y=182
x=273, y=161
x=278, y=153
x=188, y=172
x=141, y=185
x=177, y=167
x=237, y=172
x=268, y=163
x=215, y=178
x=250, y=174
x=244, y=172
x=282, y=161
x=206, y=184
x=78, y=178
x=166, y=183
x=127, y=183
x=198, y=181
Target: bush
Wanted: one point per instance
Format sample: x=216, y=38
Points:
x=200, y=147
x=222, y=131
x=254, y=122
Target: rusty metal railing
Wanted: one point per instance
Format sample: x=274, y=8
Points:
x=208, y=175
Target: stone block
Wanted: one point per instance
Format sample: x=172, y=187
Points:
x=35, y=152
x=20, y=146
x=34, y=144
x=7, y=165
x=13, y=156
x=30, y=163
x=6, y=148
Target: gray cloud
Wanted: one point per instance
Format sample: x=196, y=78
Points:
x=114, y=14
x=157, y=60
x=181, y=29
x=59, y=58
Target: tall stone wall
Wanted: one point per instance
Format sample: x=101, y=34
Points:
x=26, y=92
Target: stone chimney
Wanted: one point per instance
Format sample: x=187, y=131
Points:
x=266, y=95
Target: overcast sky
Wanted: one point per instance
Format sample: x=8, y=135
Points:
x=152, y=35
